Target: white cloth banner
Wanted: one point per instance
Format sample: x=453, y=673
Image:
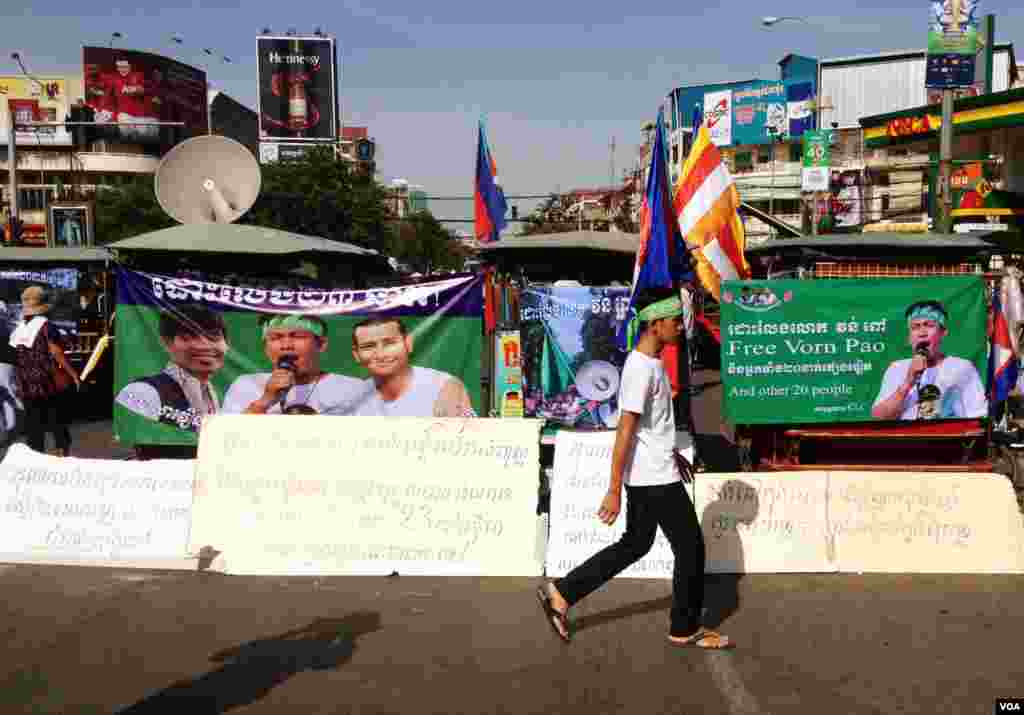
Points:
x=97, y=511
x=800, y=522
x=579, y=482
x=926, y=523
x=312, y=495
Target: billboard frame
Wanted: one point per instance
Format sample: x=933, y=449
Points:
x=335, y=129
x=88, y=225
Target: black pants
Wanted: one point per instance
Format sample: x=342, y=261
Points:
x=647, y=508
x=49, y=415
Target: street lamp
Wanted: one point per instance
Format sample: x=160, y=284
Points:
x=769, y=20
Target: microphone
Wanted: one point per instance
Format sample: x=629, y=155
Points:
x=285, y=362
x=920, y=349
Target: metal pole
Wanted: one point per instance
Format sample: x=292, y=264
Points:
x=771, y=195
x=946, y=161
x=12, y=166
x=817, y=126
x=209, y=107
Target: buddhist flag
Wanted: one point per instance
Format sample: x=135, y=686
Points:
x=488, y=198
x=707, y=205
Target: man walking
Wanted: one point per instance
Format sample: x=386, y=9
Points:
x=646, y=461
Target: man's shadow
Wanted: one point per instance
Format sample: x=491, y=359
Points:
x=251, y=670
x=736, y=503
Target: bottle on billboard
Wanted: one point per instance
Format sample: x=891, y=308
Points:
x=298, y=105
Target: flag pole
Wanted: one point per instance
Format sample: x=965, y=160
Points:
x=682, y=407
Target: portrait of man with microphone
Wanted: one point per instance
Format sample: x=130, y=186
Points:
x=297, y=385
x=930, y=384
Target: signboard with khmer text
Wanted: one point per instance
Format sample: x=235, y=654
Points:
x=841, y=350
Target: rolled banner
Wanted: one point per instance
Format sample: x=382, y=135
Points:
x=97, y=352
x=597, y=380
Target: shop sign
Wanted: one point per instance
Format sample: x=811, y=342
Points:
x=910, y=126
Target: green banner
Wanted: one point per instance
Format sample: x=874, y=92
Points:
x=816, y=146
x=853, y=350
x=186, y=349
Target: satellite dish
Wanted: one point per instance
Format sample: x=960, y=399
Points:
x=597, y=380
x=207, y=179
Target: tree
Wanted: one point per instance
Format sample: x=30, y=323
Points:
x=128, y=210
x=323, y=195
x=549, y=217
x=318, y=195
x=422, y=243
x=623, y=219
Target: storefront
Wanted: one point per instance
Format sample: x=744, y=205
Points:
x=988, y=154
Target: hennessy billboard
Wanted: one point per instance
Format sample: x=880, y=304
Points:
x=297, y=98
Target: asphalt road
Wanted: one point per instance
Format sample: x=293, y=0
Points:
x=81, y=640
x=97, y=640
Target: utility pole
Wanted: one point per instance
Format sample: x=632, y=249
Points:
x=946, y=161
x=611, y=164
x=611, y=183
x=12, y=167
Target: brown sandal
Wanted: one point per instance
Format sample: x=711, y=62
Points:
x=555, y=618
x=703, y=638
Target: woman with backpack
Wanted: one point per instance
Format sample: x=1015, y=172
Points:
x=43, y=374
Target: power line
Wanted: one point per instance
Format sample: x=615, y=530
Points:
x=507, y=196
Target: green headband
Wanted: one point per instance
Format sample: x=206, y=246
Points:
x=293, y=321
x=668, y=308
x=928, y=312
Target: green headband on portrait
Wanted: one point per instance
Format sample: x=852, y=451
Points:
x=928, y=312
x=293, y=322
x=668, y=308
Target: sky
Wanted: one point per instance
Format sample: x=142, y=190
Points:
x=556, y=81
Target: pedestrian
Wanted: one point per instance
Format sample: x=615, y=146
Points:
x=645, y=459
x=10, y=406
x=43, y=374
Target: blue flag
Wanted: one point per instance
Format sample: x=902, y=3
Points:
x=489, y=204
x=661, y=259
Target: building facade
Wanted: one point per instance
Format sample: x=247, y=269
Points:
x=54, y=174
x=758, y=125
x=405, y=199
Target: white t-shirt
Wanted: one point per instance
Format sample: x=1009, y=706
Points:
x=645, y=390
x=961, y=393
x=418, y=400
x=330, y=395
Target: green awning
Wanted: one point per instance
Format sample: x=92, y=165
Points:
x=25, y=254
x=234, y=238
